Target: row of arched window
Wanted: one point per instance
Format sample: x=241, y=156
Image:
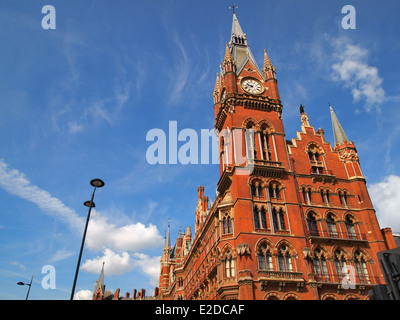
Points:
x=333, y=227
x=277, y=218
x=325, y=196
x=334, y=267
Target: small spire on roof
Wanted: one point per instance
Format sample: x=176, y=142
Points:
x=338, y=132
x=267, y=63
x=228, y=56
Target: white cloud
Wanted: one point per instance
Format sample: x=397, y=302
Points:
x=83, y=295
x=101, y=233
x=149, y=265
x=131, y=237
x=385, y=196
x=351, y=68
x=115, y=264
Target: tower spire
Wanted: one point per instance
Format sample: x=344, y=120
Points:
x=338, y=132
x=238, y=46
x=99, y=286
x=168, y=237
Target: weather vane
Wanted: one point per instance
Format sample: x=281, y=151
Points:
x=233, y=7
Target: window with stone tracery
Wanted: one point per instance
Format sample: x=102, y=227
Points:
x=284, y=259
x=260, y=217
x=264, y=258
x=361, y=267
x=320, y=264
x=229, y=265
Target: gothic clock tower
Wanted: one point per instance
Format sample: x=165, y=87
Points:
x=291, y=219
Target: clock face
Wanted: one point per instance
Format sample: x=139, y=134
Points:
x=252, y=86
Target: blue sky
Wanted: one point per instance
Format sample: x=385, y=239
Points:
x=77, y=102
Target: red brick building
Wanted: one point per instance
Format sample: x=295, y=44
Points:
x=291, y=219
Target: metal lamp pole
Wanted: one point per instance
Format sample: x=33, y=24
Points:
x=96, y=183
x=26, y=284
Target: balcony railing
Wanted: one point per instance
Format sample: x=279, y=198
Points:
x=337, y=235
x=356, y=279
x=280, y=275
x=276, y=164
x=321, y=170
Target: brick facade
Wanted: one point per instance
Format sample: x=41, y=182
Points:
x=290, y=217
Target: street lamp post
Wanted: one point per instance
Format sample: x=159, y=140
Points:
x=96, y=183
x=26, y=284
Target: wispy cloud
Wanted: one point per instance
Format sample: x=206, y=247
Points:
x=16, y=183
x=101, y=234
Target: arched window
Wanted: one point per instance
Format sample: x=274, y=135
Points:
x=340, y=262
x=284, y=259
x=331, y=224
x=265, y=146
x=282, y=219
x=264, y=258
x=227, y=224
x=275, y=218
x=325, y=196
x=306, y=195
x=320, y=266
x=314, y=156
x=256, y=189
x=260, y=217
x=351, y=232
x=312, y=224
x=343, y=198
x=361, y=267
x=274, y=191
x=251, y=151
x=229, y=265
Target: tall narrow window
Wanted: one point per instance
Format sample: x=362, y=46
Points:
x=263, y=218
x=260, y=217
x=227, y=224
x=304, y=195
x=320, y=266
x=351, y=232
x=340, y=263
x=265, y=147
x=275, y=219
x=343, y=198
x=259, y=190
x=361, y=267
x=312, y=224
x=264, y=258
x=256, y=217
x=229, y=265
x=284, y=259
x=282, y=219
x=253, y=189
x=330, y=222
x=228, y=268
x=250, y=142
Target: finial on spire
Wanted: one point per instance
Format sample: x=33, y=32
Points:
x=233, y=7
